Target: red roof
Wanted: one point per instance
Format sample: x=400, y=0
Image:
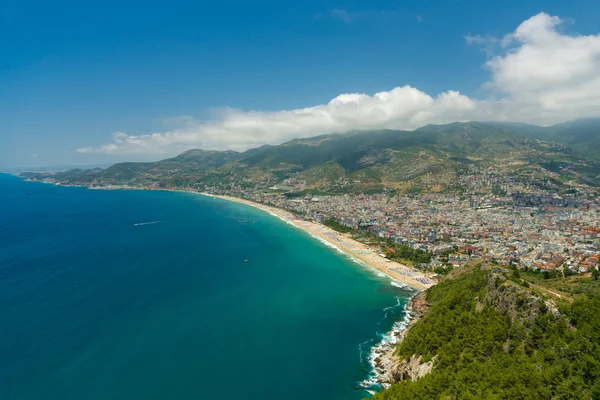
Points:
x=467, y=248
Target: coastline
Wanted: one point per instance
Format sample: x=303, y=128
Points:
x=388, y=368
x=318, y=284
x=396, y=271
x=385, y=367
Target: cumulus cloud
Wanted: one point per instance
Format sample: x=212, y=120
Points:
x=549, y=70
x=537, y=75
x=400, y=108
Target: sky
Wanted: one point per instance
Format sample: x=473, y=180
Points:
x=86, y=83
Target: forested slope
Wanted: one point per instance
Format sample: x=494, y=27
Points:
x=492, y=337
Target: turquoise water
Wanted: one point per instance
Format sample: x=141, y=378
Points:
x=95, y=303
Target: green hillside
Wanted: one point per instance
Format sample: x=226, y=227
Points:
x=431, y=158
x=490, y=336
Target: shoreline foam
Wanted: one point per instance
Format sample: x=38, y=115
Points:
x=386, y=346
x=386, y=367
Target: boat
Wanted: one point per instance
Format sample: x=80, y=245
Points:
x=245, y=261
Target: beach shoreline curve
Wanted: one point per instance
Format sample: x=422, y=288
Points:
x=399, y=273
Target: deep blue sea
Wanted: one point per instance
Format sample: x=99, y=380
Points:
x=146, y=295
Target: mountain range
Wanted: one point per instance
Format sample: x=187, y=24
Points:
x=431, y=158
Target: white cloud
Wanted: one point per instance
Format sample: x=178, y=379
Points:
x=549, y=70
x=401, y=108
x=538, y=75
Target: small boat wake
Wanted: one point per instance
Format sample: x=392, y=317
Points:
x=147, y=223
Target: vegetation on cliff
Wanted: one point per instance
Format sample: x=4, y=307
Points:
x=493, y=338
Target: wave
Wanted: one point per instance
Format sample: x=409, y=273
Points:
x=398, y=284
x=147, y=223
x=385, y=344
x=394, y=306
x=328, y=244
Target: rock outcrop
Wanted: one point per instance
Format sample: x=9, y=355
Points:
x=392, y=369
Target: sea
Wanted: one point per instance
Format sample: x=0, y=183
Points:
x=127, y=294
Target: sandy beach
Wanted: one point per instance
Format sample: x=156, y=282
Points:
x=344, y=242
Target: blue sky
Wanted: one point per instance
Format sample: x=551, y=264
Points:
x=88, y=83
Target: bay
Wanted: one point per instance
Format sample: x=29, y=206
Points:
x=147, y=295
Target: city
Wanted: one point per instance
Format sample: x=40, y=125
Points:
x=537, y=230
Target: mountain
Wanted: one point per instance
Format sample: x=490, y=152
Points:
x=432, y=158
x=206, y=159
x=582, y=135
